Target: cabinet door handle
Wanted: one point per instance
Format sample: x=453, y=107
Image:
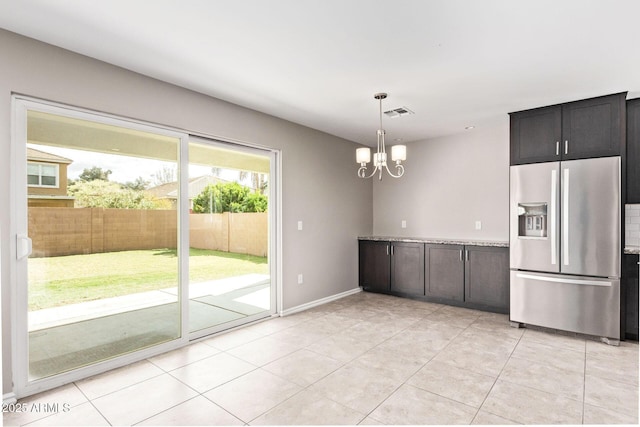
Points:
x=460, y=254
x=387, y=250
x=557, y=148
x=391, y=250
x=467, y=255
x=566, y=146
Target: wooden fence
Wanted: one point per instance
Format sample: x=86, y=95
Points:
x=73, y=231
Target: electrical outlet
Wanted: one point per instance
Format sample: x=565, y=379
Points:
x=299, y=225
x=403, y=224
x=478, y=225
x=300, y=279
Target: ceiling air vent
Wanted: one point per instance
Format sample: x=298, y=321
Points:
x=397, y=112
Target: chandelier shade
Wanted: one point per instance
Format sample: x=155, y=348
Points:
x=398, y=153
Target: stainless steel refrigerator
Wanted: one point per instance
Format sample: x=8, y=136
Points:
x=565, y=246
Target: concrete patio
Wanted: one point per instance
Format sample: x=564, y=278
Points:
x=68, y=337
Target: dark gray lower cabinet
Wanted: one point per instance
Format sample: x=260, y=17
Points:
x=487, y=276
x=407, y=268
x=468, y=276
x=630, y=282
x=478, y=276
x=444, y=271
x=374, y=265
x=392, y=266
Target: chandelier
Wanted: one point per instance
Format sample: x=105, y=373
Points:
x=398, y=153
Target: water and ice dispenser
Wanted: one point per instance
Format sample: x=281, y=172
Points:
x=532, y=219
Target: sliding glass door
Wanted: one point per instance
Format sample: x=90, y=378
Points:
x=229, y=269
x=102, y=275
x=131, y=239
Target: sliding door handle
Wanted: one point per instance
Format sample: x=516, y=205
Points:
x=24, y=246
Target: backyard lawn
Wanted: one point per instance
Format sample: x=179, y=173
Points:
x=58, y=281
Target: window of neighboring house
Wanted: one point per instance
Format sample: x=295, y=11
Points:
x=42, y=175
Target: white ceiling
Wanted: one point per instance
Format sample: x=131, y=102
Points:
x=455, y=63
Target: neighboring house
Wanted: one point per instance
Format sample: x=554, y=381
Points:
x=47, y=180
x=169, y=191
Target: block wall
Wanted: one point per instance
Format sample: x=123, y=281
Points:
x=73, y=231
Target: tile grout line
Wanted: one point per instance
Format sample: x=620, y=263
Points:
x=308, y=386
x=303, y=388
x=93, y=404
x=496, y=380
x=418, y=370
x=584, y=381
x=405, y=381
x=343, y=364
x=265, y=370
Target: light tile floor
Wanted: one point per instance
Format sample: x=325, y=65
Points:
x=365, y=359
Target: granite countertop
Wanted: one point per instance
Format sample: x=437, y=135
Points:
x=498, y=244
x=632, y=250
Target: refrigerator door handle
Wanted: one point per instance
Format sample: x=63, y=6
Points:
x=564, y=280
x=565, y=217
x=552, y=225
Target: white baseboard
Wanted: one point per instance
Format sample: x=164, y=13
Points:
x=318, y=302
x=9, y=398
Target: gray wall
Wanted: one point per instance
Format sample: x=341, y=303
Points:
x=319, y=185
x=449, y=183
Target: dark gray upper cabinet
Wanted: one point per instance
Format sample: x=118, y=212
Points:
x=594, y=127
x=487, y=276
x=407, y=268
x=633, y=151
x=535, y=135
x=444, y=271
x=589, y=128
x=374, y=267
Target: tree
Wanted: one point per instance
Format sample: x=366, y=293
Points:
x=230, y=197
x=165, y=175
x=138, y=185
x=255, y=202
x=94, y=173
x=258, y=180
x=104, y=194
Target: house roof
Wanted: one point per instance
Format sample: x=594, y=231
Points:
x=41, y=156
x=196, y=185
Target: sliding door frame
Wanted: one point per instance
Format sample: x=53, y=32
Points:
x=18, y=224
x=272, y=224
